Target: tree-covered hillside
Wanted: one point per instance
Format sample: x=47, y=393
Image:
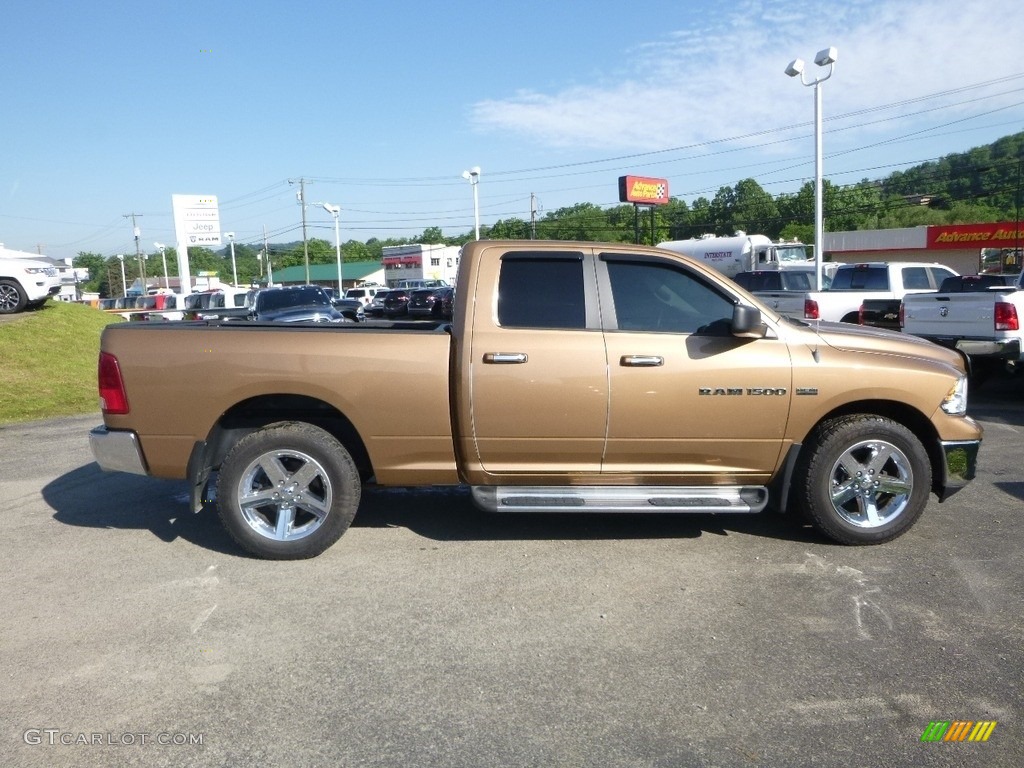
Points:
x=977, y=186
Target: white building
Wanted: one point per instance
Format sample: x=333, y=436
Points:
x=420, y=261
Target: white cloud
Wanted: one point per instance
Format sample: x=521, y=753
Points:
x=725, y=79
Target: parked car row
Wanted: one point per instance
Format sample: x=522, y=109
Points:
x=299, y=301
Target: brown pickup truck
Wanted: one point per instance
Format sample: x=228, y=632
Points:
x=574, y=377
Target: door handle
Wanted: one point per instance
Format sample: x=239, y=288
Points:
x=642, y=361
x=499, y=358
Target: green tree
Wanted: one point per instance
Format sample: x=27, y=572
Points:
x=96, y=265
x=432, y=236
x=510, y=229
x=754, y=210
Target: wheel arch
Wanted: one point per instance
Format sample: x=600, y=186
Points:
x=257, y=412
x=901, y=413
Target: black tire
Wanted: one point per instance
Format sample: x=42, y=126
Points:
x=287, y=491
x=12, y=297
x=862, y=479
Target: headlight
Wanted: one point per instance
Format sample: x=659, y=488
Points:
x=955, y=401
x=37, y=270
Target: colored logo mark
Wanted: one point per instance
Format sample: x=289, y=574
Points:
x=958, y=730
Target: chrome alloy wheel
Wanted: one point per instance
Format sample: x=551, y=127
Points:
x=9, y=298
x=284, y=495
x=871, y=483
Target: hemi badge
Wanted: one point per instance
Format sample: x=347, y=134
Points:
x=807, y=390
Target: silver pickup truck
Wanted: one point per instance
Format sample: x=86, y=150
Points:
x=984, y=325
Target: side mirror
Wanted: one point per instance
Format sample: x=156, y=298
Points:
x=746, y=322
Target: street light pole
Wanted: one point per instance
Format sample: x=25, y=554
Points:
x=234, y=269
x=124, y=283
x=473, y=177
x=167, y=280
x=335, y=211
x=826, y=57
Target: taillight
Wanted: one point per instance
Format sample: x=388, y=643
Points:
x=1006, y=317
x=903, y=316
x=860, y=315
x=811, y=309
x=113, y=398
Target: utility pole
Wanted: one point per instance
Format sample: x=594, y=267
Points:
x=138, y=251
x=302, y=203
x=266, y=251
x=533, y=216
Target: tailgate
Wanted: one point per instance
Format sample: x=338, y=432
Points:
x=950, y=316
x=787, y=303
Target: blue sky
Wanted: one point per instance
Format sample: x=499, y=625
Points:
x=110, y=108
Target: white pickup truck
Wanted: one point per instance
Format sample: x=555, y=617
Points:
x=984, y=325
x=852, y=284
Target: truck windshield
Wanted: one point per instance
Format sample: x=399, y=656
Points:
x=791, y=252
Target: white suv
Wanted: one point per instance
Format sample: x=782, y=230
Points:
x=26, y=283
x=364, y=293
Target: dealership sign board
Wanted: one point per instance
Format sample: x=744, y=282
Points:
x=196, y=223
x=196, y=219
x=642, y=190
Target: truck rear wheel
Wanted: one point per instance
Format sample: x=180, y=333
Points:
x=287, y=491
x=863, y=479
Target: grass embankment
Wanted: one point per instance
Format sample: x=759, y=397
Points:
x=48, y=361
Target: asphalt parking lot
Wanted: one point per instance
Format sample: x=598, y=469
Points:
x=135, y=633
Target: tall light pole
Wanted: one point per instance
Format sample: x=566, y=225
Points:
x=124, y=283
x=473, y=177
x=234, y=269
x=825, y=58
x=167, y=280
x=335, y=211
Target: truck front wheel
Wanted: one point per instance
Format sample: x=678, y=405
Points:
x=863, y=479
x=287, y=491
x=12, y=297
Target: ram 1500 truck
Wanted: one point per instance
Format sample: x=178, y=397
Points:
x=853, y=284
x=574, y=377
x=984, y=325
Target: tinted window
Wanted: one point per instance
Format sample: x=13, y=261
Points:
x=861, y=278
x=915, y=278
x=541, y=292
x=939, y=274
x=798, y=281
x=659, y=297
x=759, y=281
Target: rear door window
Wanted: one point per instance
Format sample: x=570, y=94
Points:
x=542, y=291
x=916, y=279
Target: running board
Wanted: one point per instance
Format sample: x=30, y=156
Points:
x=611, y=498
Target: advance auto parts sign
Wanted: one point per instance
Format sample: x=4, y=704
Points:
x=959, y=236
x=643, y=190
